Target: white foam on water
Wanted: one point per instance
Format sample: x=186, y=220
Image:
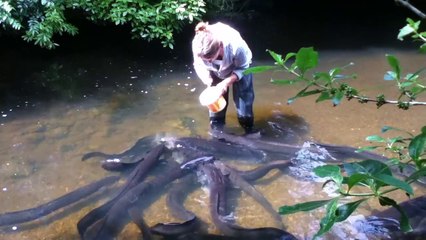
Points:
x=306, y=160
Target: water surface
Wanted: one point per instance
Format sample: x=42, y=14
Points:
x=109, y=102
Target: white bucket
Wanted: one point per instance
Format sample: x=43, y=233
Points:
x=212, y=98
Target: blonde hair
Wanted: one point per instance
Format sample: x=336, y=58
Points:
x=205, y=43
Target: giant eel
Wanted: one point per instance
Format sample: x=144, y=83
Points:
x=386, y=220
x=336, y=153
x=49, y=207
x=288, y=150
x=118, y=216
x=107, y=221
x=190, y=223
x=137, y=175
x=174, y=200
x=127, y=158
x=216, y=184
x=137, y=218
x=258, y=172
x=238, y=181
x=220, y=148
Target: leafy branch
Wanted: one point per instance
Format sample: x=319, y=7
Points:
x=369, y=178
x=329, y=85
x=40, y=21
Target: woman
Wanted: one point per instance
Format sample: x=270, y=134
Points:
x=220, y=58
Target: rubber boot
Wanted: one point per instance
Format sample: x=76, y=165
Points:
x=217, y=123
x=246, y=123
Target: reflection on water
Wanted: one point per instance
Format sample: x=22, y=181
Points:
x=108, y=104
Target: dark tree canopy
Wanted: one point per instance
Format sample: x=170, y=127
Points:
x=40, y=20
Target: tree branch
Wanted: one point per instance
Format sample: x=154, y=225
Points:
x=406, y=4
x=410, y=103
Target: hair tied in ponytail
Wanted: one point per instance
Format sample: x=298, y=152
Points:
x=201, y=27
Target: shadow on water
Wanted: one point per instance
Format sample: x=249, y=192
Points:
x=102, y=91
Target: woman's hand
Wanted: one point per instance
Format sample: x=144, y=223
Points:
x=227, y=82
x=207, y=81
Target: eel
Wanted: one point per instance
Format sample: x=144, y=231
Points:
x=240, y=182
x=216, y=184
x=171, y=230
x=220, y=148
x=137, y=175
x=132, y=155
x=137, y=218
x=174, y=200
x=289, y=150
x=113, y=222
x=259, y=172
x=415, y=209
x=49, y=207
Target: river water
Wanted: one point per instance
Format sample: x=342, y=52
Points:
x=42, y=140
x=54, y=109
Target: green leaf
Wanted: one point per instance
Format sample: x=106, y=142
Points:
x=345, y=210
x=375, y=138
x=367, y=148
x=406, y=84
x=404, y=221
x=308, y=93
x=291, y=100
x=404, y=32
x=303, y=93
x=283, y=81
x=324, y=96
x=411, y=77
x=288, y=56
x=423, y=48
x=370, y=167
x=390, y=76
x=356, y=179
x=386, y=128
x=413, y=24
x=277, y=57
x=337, y=98
x=330, y=218
x=418, y=89
x=306, y=58
x=394, y=63
x=302, y=207
x=417, y=145
x=258, y=69
x=335, y=71
x=331, y=171
x=322, y=76
x=392, y=181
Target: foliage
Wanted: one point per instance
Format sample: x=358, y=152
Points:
x=40, y=20
x=330, y=86
x=369, y=178
x=412, y=29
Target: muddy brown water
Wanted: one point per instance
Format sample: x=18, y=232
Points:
x=41, y=143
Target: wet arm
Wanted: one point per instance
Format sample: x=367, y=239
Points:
x=242, y=60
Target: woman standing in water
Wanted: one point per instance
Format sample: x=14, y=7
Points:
x=220, y=57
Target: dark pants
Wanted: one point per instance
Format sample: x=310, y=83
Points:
x=243, y=95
